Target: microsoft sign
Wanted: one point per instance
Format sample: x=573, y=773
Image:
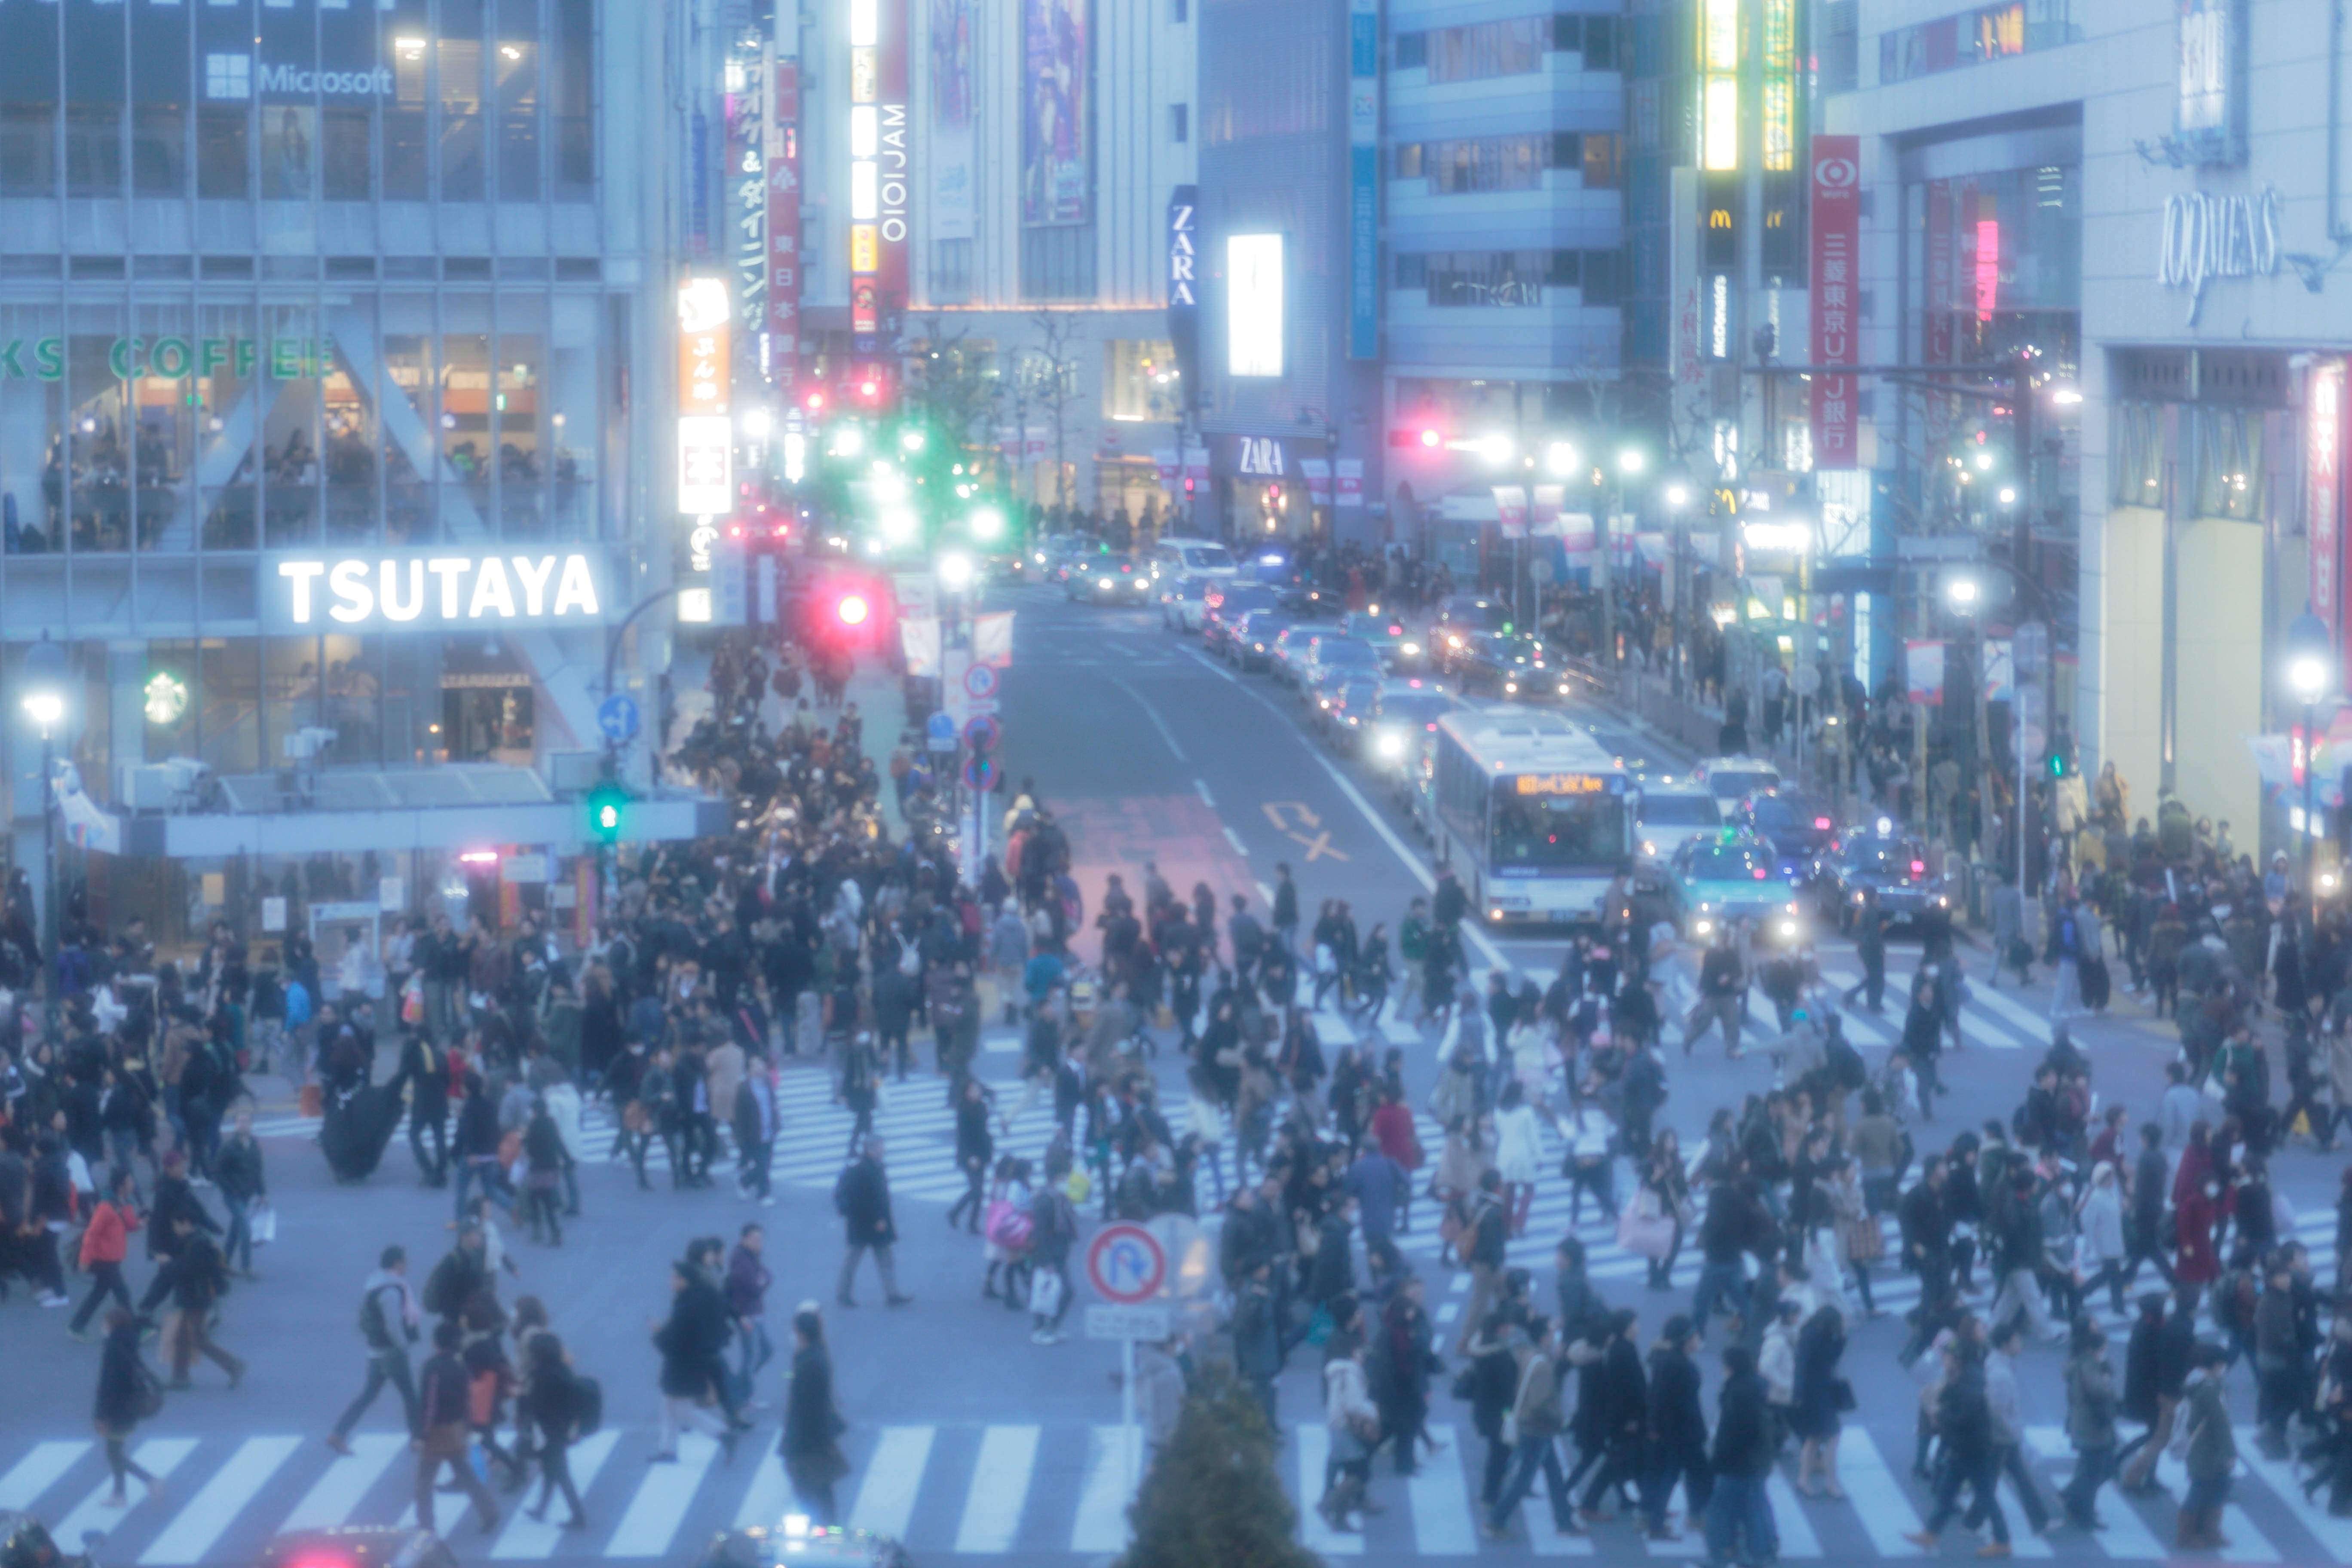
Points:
x=234, y=77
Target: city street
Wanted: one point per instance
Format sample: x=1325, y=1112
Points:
x=968, y=1441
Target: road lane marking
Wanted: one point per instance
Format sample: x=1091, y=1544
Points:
x=1796, y=1531
x=1153, y=714
x=333, y=1496
x=1314, y=1446
x=1201, y=788
x=2126, y=1535
x=193, y=1531
x=158, y=1456
x=1441, y=1502
x=1879, y=1503
x=1114, y=1466
x=885, y=1501
x=1000, y=1489
x=663, y=1498
x=2333, y=1534
x=39, y=1470
x=1235, y=840
x=527, y=1538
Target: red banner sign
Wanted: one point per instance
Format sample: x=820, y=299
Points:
x=1836, y=242
x=784, y=224
x=2323, y=479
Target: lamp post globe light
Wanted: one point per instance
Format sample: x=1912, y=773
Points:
x=42, y=697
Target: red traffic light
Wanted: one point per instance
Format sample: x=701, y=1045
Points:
x=1430, y=438
x=853, y=609
x=814, y=401
x=869, y=389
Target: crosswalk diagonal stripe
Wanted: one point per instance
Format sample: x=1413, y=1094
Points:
x=1886, y=1513
x=771, y=1495
x=662, y=1499
x=2333, y=1534
x=1114, y=1469
x=1440, y=1496
x=328, y=1505
x=527, y=1538
x=1000, y=1489
x=886, y=1498
x=39, y=1470
x=158, y=1456
x=1797, y=1537
x=1312, y=1441
x=201, y=1521
x=2126, y=1536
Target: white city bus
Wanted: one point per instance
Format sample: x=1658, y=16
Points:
x=1533, y=814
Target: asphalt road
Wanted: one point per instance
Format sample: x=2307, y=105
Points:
x=970, y=1442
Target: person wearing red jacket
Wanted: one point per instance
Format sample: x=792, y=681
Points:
x=104, y=1245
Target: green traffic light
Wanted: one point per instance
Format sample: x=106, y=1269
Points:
x=606, y=804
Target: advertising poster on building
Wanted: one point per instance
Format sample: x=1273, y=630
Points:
x=784, y=223
x=1363, y=179
x=954, y=207
x=1057, y=127
x=2322, y=482
x=746, y=195
x=1836, y=241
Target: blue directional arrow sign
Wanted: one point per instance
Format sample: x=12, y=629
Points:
x=617, y=716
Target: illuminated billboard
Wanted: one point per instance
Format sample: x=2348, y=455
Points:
x=1057, y=128
x=1253, y=305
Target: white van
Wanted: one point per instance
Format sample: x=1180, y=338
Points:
x=1174, y=559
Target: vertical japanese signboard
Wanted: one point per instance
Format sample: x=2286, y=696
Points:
x=1836, y=241
x=784, y=224
x=1363, y=179
x=747, y=196
x=705, y=435
x=2323, y=482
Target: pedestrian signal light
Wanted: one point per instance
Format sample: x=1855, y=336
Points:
x=607, y=803
x=2055, y=765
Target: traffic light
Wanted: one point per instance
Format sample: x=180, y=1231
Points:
x=2054, y=765
x=607, y=806
x=852, y=609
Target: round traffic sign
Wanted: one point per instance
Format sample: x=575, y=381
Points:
x=979, y=680
x=1125, y=1264
x=980, y=774
x=981, y=733
x=617, y=716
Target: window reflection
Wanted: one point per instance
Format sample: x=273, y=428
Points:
x=407, y=416
x=465, y=411
x=291, y=388
x=98, y=446
x=348, y=447
x=223, y=358
x=519, y=409
x=571, y=422
x=406, y=52
x=461, y=101
x=162, y=508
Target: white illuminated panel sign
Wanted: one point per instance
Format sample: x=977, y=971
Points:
x=1254, y=304
x=428, y=590
x=706, y=465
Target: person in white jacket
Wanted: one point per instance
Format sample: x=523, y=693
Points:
x=1776, y=1363
x=1519, y=1153
x=2106, y=1254
x=1354, y=1422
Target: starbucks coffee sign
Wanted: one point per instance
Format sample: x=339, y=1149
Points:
x=173, y=359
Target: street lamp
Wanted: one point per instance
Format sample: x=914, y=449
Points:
x=1561, y=457
x=44, y=703
x=2307, y=676
x=1963, y=592
x=1631, y=460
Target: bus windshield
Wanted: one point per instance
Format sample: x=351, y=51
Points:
x=1680, y=811
x=1556, y=832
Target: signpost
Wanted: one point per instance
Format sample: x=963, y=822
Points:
x=617, y=716
x=1127, y=1266
x=942, y=731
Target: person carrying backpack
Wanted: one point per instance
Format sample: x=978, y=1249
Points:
x=388, y=1326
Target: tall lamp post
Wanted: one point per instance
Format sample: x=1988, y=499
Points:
x=2307, y=676
x=44, y=703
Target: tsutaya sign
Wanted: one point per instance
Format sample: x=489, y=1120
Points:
x=433, y=590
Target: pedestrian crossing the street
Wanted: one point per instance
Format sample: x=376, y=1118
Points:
x=1044, y=1492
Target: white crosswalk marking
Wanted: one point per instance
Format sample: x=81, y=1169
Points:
x=1441, y=1525
x=2333, y=1534
x=2126, y=1535
x=1312, y=1440
x=329, y=1503
x=1000, y=1487
x=885, y=1500
x=158, y=1456
x=527, y=1538
x=2247, y=1544
x=1544, y=1538
x=1333, y=1029
x=1879, y=1504
x=662, y=1499
x=39, y=1470
x=1797, y=1537
x=193, y=1531
x=1114, y=1469
x=2021, y=1539
x=771, y=1496
x=2033, y=1026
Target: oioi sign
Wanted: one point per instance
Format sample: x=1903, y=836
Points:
x=429, y=590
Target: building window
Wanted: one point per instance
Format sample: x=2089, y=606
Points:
x=228, y=77
x=407, y=157
x=951, y=270
x=1486, y=49
x=221, y=142
x=571, y=100
x=1179, y=122
x=1139, y=381
x=1503, y=163
x=1058, y=263
x=1180, y=11
x=1975, y=36
x=1410, y=51
x=1407, y=160
x=1604, y=162
x=517, y=68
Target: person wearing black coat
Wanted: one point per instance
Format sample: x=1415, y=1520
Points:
x=425, y=1069
x=1622, y=1393
x=1964, y=1424
x=2173, y=1356
x=862, y=1198
x=1333, y=1274
x=476, y=1153
x=123, y=1390
x=1677, y=1430
x=1493, y=1378
x=1744, y=1442
x=975, y=1148
x=550, y=1403
x=813, y=1424
x=691, y=1343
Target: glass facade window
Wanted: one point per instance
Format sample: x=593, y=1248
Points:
x=1997, y=263
x=1977, y=37
x=1485, y=50
x=1139, y=380
x=1511, y=278
x=294, y=100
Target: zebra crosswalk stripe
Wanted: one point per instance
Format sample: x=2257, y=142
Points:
x=1879, y=1504
x=157, y=1455
x=525, y=1537
x=886, y=1498
x=662, y=1499
x=1114, y=1464
x=1000, y=1488
x=2126, y=1536
x=199, y=1524
x=328, y=1504
x=39, y=1470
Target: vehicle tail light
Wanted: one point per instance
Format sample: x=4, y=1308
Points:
x=1918, y=867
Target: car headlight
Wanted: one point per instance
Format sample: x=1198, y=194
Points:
x=1649, y=847
x=1392, y=745
x=1942, y=902
x=1702, y=928
x=1789, y=908
x=1563, y=689
x=1788, y=928
x=1140, y=585
x=1510, y=688
x=1858, y=898
x=1102, y=582
x=1408, y=647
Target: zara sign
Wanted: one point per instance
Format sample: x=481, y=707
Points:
x=429, y=590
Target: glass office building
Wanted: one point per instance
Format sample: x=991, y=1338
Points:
x=287, y=283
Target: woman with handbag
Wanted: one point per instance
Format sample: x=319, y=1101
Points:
x=128, y=1393
x=1661, y=1209
x=1862, y=1239
x=813, y=1426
